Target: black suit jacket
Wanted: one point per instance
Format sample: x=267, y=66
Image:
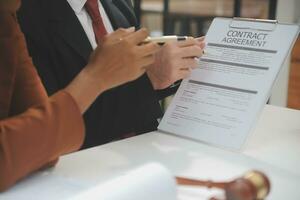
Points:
x=60, y=49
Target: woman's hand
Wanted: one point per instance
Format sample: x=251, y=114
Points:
x=118, y=59
x=9, y=5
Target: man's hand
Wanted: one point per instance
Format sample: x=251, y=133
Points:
x=174, y=61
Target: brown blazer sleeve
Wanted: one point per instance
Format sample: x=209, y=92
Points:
x=34, y=129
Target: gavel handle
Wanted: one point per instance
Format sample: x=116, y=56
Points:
x=193, y=182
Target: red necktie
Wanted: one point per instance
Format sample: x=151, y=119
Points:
x=92, y=8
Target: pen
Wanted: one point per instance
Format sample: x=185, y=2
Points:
x=168, y=38
x=163, y=39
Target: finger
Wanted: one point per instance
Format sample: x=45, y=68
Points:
x=120, y=34
x=147, y=49
x=188, y=42
x=146, y=61
x=201, y=42
x=202, y=45
x=138, y=36
x=191, y=51
x=200, y=39
x=197, y=60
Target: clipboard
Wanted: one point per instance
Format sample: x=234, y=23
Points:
x=253, y=24
x=220, y=103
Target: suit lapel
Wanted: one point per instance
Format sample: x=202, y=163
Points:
x=64, y=21
x=119, y=13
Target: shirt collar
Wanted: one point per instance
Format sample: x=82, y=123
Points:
x=77, y=5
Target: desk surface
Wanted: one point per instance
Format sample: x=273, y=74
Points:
x=273, y=148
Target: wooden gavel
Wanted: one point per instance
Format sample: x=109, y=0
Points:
x=254, y=185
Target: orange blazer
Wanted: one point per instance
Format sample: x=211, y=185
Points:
x=34, y=129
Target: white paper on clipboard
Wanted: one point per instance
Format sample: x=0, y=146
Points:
x=220, y=102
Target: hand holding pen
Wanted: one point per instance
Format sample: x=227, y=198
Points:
x=164, y=39
x=175, y=60
x=170, y=38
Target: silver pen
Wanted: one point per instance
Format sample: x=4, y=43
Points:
x=168, y=38
x=163, y=39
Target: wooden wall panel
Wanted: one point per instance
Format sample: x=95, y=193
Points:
x=294, y=82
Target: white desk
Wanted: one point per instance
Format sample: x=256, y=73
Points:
x=273, y=148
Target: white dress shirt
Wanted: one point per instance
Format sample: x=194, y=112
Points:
x=86, y=21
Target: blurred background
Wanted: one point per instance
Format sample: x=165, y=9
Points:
x=193, y=17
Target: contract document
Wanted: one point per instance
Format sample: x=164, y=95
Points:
x=222, y=99
x=149, y=182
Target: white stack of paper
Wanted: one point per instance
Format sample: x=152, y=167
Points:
x=149, y=182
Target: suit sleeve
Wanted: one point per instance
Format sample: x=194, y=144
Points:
x=159, y=94
x=38, y=129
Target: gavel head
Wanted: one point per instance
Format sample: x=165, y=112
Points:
x=254, y=185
